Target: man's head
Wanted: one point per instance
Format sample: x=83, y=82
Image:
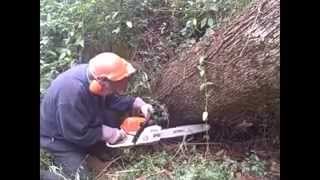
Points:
x=109, y=73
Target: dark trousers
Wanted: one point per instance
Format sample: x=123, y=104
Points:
x=66, y=157
x=74, y=161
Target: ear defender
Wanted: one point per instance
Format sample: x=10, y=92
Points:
x=95, y=87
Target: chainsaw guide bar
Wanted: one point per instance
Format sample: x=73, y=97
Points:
x=155, y=133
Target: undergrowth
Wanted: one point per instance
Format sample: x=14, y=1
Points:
x=158, y=162
x=149, y=27
x=194, y=165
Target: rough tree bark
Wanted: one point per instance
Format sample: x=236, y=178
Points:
x=242, y=61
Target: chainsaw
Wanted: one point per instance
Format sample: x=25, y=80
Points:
x=140, y=132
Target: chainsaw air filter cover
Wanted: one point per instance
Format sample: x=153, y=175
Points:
x=132, y=124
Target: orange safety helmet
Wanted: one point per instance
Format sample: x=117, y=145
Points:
x=110, y=66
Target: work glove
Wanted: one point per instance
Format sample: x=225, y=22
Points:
x=112, y=135
x=140, y=106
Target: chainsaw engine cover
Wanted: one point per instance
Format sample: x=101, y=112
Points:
x=132, y=124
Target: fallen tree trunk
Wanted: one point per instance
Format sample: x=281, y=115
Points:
x=242, y=60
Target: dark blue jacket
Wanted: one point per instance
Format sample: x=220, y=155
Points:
x=72, y=115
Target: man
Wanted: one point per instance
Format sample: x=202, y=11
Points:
x=82, y=107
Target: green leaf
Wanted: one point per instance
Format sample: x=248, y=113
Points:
x=48, y=17
x=214, y=8
x=80, y=25
x=116, y=30
x=144, y=77
x=129, y=24
x=80, y=41
x=52, y=53
x=188, y=23
x=194, y=21
x=202, y=73
x=205, y=116
x=62, y=50
x=210, y=22
x=62, y=55
x=183, y=31
x=219, y=153
x=107, y=17
x=203, y=22
x=115, y=14
x=201, y=60
x=67, y=41
x=200, y=68
x=68, y=52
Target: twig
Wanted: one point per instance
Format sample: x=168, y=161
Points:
x=106, y=167
x=160, y=172
x=126, y=171
x=134, y=53
x=122, y=163
x=45, y=162
x=182, y=144
x=205, y=61
x=84, y=159
x=205, y=143
x=176, y=10
x=169, y=174
x=54, y=169
x=116, y=175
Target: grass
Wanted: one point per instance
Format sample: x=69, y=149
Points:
x=153, y=163
x=144, y=163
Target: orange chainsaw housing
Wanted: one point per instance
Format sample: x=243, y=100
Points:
x=132, y=124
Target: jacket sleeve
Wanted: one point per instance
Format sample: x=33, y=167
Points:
x=120, y=103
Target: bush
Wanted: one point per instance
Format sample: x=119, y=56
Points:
x=68, y=26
